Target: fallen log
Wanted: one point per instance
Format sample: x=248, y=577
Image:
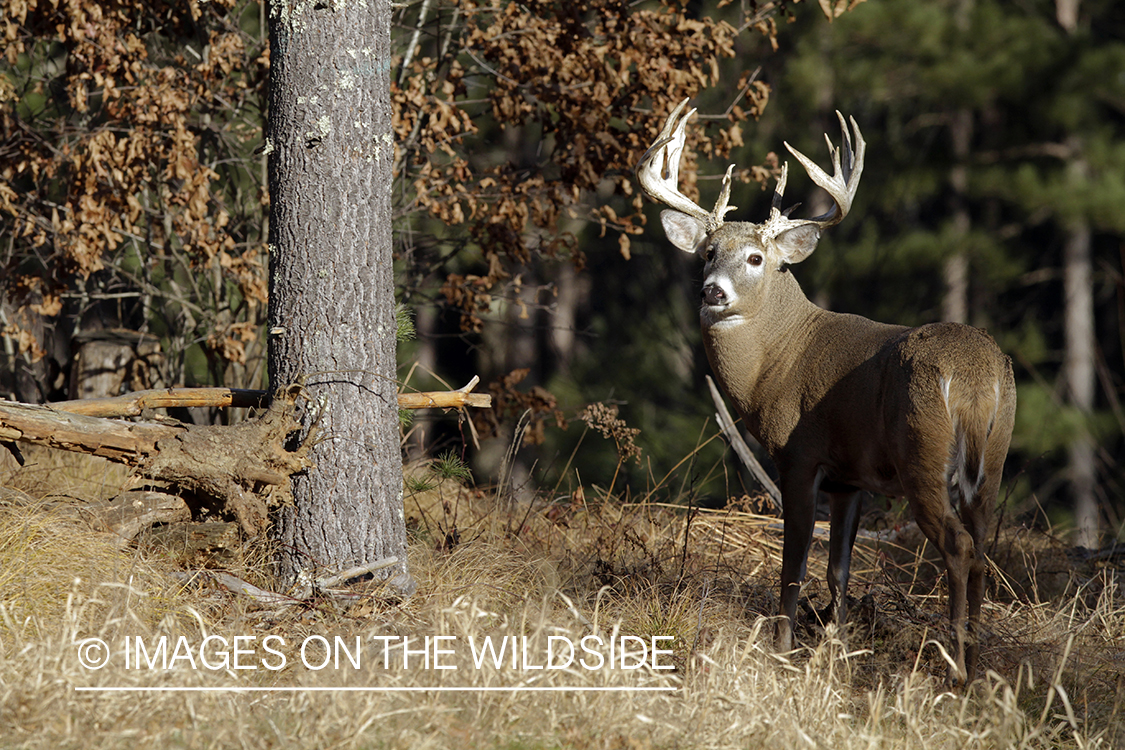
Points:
x=84, y=426
x=123, y=442
x=241, y=469
x=137, y=403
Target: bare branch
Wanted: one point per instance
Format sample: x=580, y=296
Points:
x=741, y=449
x=135, y=404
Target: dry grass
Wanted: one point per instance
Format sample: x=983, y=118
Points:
x=571, y=569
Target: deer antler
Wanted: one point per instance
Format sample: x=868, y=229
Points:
x=844, y=181
x=658, y=173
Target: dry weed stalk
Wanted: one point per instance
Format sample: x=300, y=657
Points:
x=604, y=419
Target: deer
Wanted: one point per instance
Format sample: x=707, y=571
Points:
x=841, y=403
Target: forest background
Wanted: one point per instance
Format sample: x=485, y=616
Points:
x=134, y=213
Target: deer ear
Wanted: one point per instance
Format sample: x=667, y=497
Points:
x=684, y=231
x=797, y=243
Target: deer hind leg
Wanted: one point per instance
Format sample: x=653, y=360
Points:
x=975, y=594
x=844, y=507
x=977, y=518
x=935, y=516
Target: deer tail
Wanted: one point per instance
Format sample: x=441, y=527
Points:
x=973, y=411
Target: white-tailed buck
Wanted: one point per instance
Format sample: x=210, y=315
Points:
x=842, y=403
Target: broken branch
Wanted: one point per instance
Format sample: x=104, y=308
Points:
x=135, y=404
x=741, y=449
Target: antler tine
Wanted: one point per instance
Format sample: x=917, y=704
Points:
x=658, y=172
x=846, y=144
x=844, y=181
x=779, y=190
x=715, y=218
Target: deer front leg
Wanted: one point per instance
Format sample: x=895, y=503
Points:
x=798, y=492
x=845, y=522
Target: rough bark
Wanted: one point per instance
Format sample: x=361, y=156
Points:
x=331, y=288
x=107, y=361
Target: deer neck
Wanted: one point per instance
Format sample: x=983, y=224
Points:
x=755, y=357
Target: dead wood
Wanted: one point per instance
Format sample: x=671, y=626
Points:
x=245, y=466
x=741, y=449
x=304, y=593
x=457, y=399
x=130, y=513
x=236, y=585
x=196, y=544
x=123, y=518
x=138, y=403
x=336, y=579
x=13, y=450
x=124, y=442
x=242, y=470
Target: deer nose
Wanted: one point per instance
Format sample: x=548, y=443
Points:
x=713, y=294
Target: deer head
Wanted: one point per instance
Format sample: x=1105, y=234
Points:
x=740, y=255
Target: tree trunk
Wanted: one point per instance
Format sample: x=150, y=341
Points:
x=331, y=286
x=1079, y=374
x=562, y=325
x=955, y=302
x=1078, y=358
x=1066, y=12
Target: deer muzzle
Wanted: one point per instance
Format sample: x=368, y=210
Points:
x=713, y=295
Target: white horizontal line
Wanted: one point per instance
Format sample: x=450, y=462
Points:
x=527, y=689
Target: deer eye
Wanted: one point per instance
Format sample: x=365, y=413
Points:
x=755, y=259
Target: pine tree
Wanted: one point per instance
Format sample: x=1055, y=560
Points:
x=332, y=319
